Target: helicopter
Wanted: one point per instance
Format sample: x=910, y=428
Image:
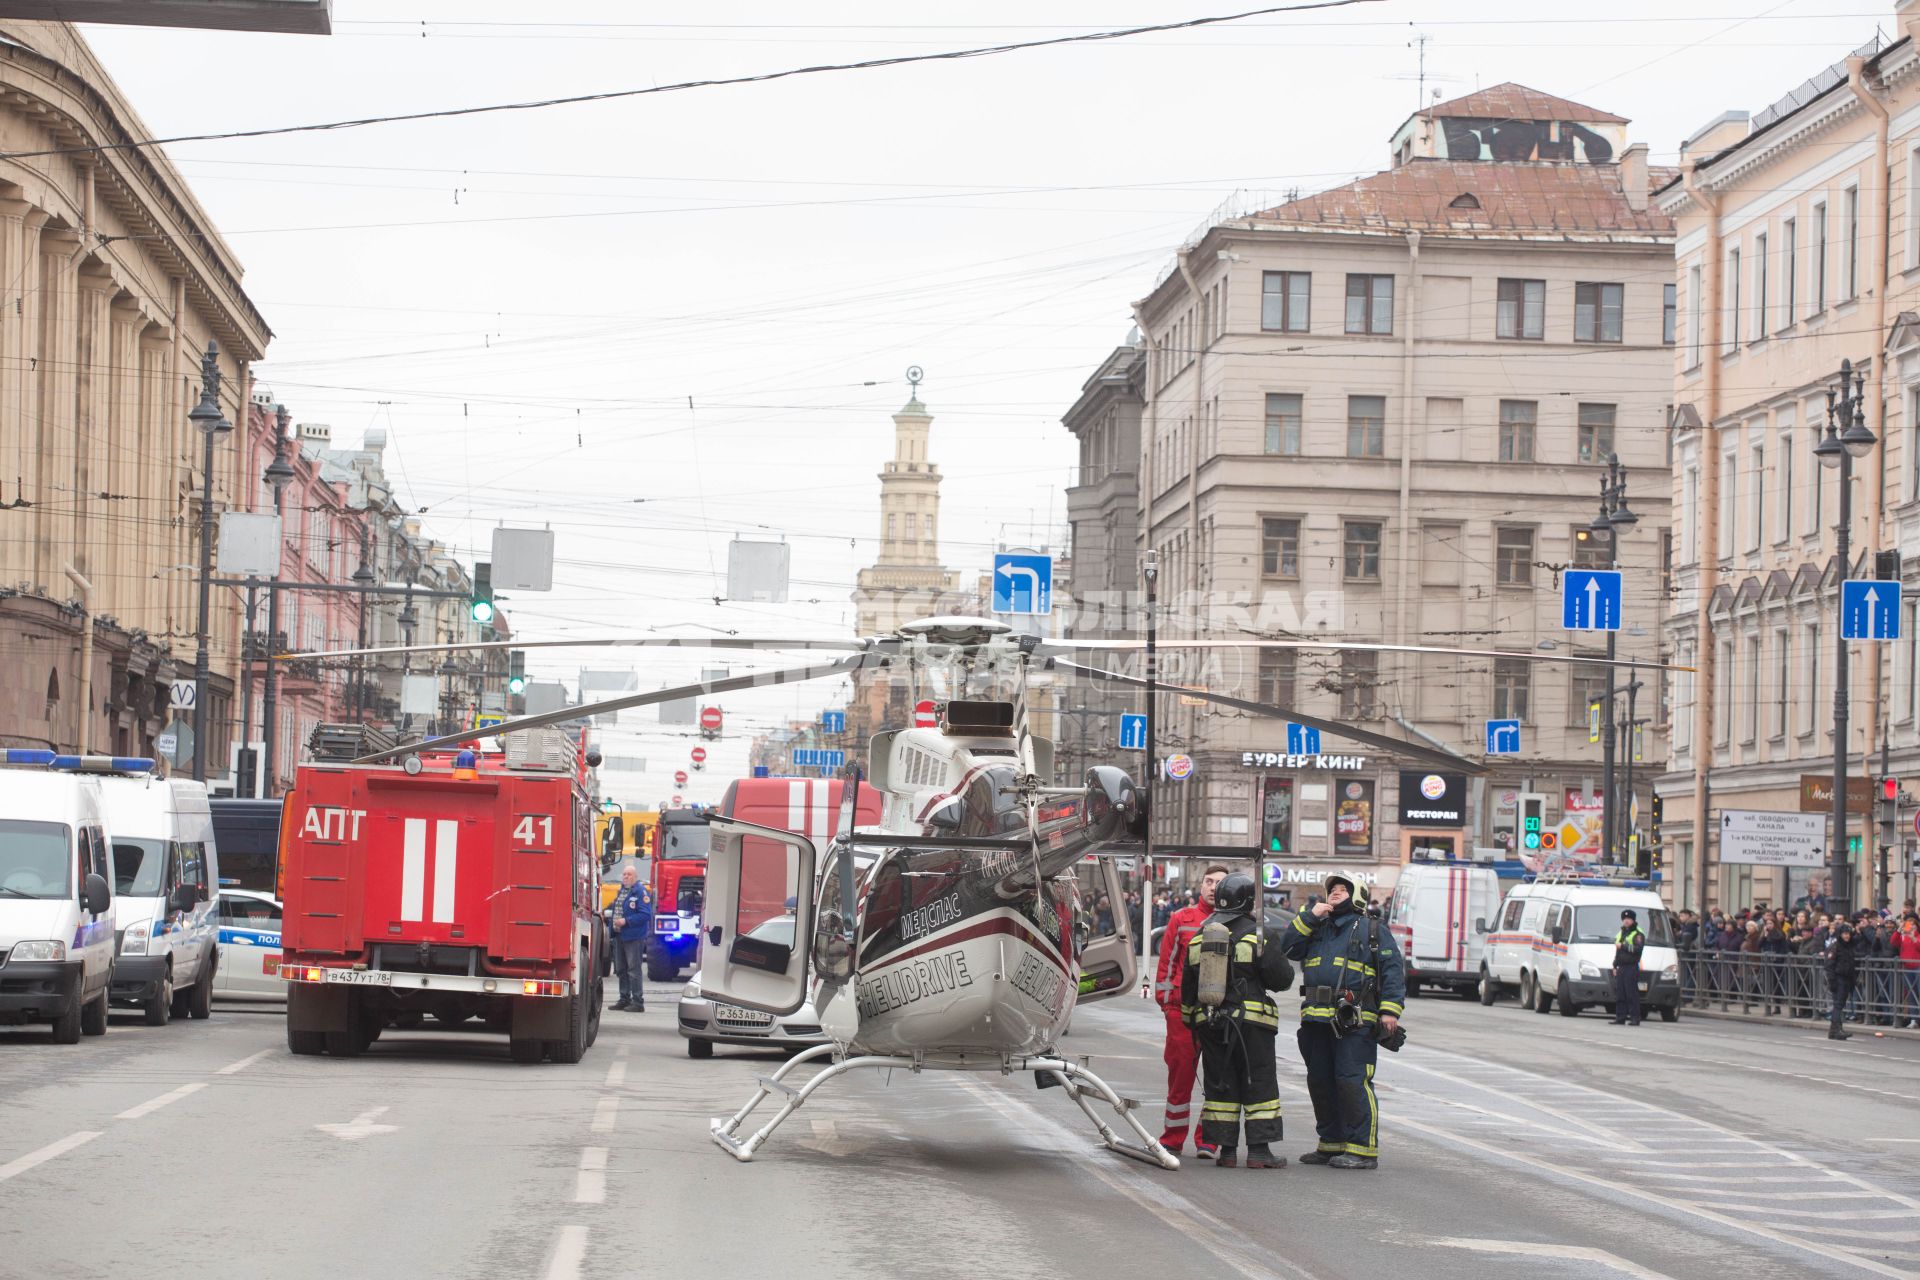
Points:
x=952, y=935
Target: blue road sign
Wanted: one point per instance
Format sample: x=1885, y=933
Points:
x=1590, y=600
x=833, y=722
x=1869, y=610
x=1302, y=740
x=1133, y=733
x=1022, y=584
x=816, y=758
x=1503, y=737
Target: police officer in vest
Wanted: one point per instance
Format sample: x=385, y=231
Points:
x=1627, y=946
x=1352, y=987
x=1230, y=967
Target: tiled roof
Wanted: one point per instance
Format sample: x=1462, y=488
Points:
x=1512, y=101
x=1509, y=198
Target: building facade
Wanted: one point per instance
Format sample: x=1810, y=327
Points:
x=113, y=281
x=1383, y=414
x=1798, y=247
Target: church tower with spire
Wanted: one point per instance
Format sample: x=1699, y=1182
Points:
x=907, y=577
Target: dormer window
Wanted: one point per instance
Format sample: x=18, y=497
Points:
x=1465, y=200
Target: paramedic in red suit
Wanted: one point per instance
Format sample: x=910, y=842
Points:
x=1182, y=1054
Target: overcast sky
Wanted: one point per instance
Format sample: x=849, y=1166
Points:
x=663, y=322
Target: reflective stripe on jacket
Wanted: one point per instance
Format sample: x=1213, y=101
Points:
x=1181, y=926
x=1332, y=959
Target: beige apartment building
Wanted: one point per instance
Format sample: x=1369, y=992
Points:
x=1383, y=413
x=112, y=282
x=1797, y=247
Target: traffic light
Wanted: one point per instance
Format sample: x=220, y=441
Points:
x=1889, y=811
x=516, y=671
x=1533, y=822
x=1647, y=859
x=482, y=606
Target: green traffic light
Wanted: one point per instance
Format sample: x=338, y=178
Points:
x=517, y=685
x=482, y=611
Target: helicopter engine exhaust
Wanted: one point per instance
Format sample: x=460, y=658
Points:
x=1074, y=826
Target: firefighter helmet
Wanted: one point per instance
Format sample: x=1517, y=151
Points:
x=1235, y=894
x=1360, y=893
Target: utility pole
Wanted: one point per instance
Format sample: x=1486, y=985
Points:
x=210, y=422
x=1151, y=563
x=279, y=475
x=1845, y=405
x=1614, y=519
x=85, y=735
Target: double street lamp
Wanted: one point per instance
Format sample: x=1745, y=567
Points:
x=210, y=422
x=1847, y=438
x=1615, y=518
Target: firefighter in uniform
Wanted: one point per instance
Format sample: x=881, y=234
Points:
x=1627, y=946
x=1352, y=987
x=1223, y=996
x=1182, y=1054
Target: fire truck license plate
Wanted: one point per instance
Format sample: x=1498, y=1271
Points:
x=361, y=977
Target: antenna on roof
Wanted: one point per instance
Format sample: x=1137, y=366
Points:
x=1420, y=41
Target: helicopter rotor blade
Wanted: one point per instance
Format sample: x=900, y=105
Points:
x=1432, y=756
x=601, y=642
x=757, y=680
x=1055, y=648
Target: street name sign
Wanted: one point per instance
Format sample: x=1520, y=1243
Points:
x=1590, y=600
x=1869, y=609
x=1022, y=584
x=1764, y=838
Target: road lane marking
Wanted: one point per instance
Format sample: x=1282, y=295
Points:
x=616, y=1075
x=569, y=1254
x=1218, y=1237
x=604, y=1113
x=154, y=1104
x=590, y=1183
x=1850, y=1215
x=1738, y=1066
x=46, y=1153
x=1531, y=1249
x=233, y=1067
x=361, y=1126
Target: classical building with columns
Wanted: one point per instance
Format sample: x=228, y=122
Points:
x=113, y=280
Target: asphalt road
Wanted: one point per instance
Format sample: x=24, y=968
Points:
x=1512, y=1144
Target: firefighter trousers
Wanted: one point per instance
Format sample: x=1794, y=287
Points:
x=1346, y=1113
x=1242, y=1084
x=1183, y=1061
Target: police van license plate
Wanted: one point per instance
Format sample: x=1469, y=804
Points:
x=666, y=924
x=361, y=977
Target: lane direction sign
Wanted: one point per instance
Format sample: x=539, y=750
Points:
x=1503, y=737
x=1590, y=600
x=1869, y=609
x=1022, y=584
x=833, y=722
x=1133, y=733
x=1302, y=740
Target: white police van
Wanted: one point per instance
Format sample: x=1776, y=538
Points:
x=166, y=873
x=1553, y=942
x=56, y=892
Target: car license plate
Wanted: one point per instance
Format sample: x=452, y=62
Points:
x=734, y=1015
x=361, y=977
x=666, y=924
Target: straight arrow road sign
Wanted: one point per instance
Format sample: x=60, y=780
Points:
x=1869, y=609
x=1590, y=600
x=1133, y=733
x=1302, y=740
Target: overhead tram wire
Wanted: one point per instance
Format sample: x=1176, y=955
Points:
x=446, y=113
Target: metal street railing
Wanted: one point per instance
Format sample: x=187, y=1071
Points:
x=1885, y=992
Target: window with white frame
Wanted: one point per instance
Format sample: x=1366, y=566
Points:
x=1816, y=473
x=1782, y=682
x=1683, y=704
x=1790, y=271
x=1733, y=299
x=1787, y=465
x=1819, y=299
x=1851, y=202
x=1757, y=495
x=1693, y=317
x=1810, y=687
x=1750, y=703
x=1729, y=510
x=1723, y=695
x=1761, y=272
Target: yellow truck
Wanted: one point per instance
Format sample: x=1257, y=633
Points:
x=620, y=835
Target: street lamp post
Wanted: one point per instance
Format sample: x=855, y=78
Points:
x=1615, y=518
x=1152, y=571
x=279, y=475
x=205, y=416
x=1847, y=438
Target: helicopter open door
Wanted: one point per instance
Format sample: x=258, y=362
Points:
x=1108, y=958
x=759, y=917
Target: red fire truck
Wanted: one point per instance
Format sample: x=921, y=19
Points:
x=460, y=885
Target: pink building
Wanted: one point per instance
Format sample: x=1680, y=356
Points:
x=324, y=541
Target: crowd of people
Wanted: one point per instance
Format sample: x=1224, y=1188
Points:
x=1767, y=956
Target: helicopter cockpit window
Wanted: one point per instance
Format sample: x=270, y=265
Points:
x=992, y=805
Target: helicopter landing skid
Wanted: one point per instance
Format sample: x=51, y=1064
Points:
x=1078, y=1082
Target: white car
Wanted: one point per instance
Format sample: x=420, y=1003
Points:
x=705, y=1023
x=249, y=947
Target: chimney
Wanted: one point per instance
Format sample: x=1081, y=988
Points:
x=1633, y=176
